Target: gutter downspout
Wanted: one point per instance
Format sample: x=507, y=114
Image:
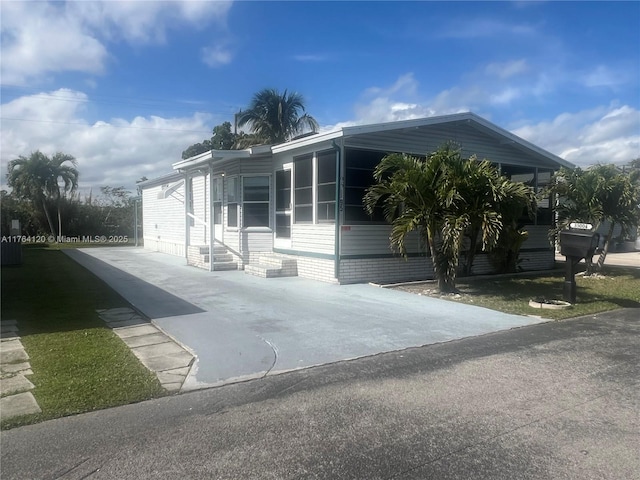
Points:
x=336, y=269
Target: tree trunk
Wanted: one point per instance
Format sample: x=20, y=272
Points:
x=46, y=212
x=597, y=266
x=444, y=269
x=59, y=222
x=605, y=248
x=471, y=253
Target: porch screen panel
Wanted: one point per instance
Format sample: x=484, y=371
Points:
x=255, y=201
x=232, y=202
x=326, y=207
x=544, y=214
x=359, y=167
x=526, y=175
x=283, y=204
x=303, y=189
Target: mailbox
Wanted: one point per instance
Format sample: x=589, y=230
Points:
x=581, y=244
x=575, y=244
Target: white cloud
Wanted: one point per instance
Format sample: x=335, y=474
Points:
x=603, y=134
x=599, y=135
x=605, y=76
x=141, y=22
x=216, y=55
x=109, y=152
x=507, y=69
x=41, y=38
x=505, y=97
x=469, y=28
x=405, y=85
x=311, y=57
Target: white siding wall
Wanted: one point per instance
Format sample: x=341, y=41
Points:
x=199, y=233
x=373, y=240
x=397, y=269
x=319, y=238
x=163, y=221
x=386, y=270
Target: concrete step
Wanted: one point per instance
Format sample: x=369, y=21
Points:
x=217, y=250
x=222, y=258
x=264, y=271
x=225, y=266
x=275, y=261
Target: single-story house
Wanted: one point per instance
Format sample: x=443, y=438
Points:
x=297, y=207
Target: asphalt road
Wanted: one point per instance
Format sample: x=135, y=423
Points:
x=549, y=401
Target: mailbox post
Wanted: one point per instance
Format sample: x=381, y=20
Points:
x=576, y=243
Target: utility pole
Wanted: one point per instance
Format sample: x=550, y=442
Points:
x=235, y=122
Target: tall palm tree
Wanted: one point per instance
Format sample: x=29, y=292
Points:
x=276, y=118
x=41, y=179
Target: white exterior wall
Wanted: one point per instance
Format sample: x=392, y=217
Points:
x=199, y=232
x=318, y=238
x=386, y=270
x=163, y=221
x=397, y=269
x=373, y=239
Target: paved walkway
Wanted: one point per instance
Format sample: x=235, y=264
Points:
x=622, y=259
x=157, y=351
x=242, y=327
x=15, y=387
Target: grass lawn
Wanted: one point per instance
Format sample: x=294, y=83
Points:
x=78, y=363
x=619, y=287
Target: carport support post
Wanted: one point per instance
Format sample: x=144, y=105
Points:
x=569, y=291
x=187, y=219
x=211, y=225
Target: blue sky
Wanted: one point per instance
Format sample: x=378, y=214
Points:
x=126, y=86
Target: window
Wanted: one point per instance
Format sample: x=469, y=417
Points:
x=544, y=214
x=303, y=192
x=232, y=202
x=217, y=200
x=255, y=201
x=526, y=175
x=359, y=167
x=326, y=207
x=283, y=204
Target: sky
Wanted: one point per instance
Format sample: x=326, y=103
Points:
x=125, y=87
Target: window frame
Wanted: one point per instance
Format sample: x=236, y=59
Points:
x=329, y=157
x=297, y=190
x=233, y=199
x=256, y=202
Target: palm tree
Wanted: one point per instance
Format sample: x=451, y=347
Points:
x=446, y=198
x=421, y=194
x=41, y=179
x=276, y=118
x=514, y=198
x=599, y=194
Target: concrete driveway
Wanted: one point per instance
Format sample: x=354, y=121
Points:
x=243, y=327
